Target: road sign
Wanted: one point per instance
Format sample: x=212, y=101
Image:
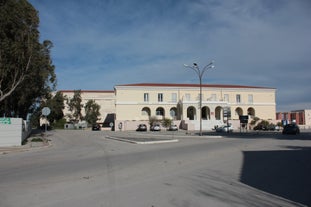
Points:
x=227, y=112
x=46, y=111
x=5, y=120
x=243, y=119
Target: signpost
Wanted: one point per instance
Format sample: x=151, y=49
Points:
x=243, y=122
x=227, y=115
x=45, y=112
x=227, y=112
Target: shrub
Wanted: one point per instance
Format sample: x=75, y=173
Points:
x=166, y=122
x=59, y=124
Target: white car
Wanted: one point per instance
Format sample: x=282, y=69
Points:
x=155, y=128
x=224, y=129
x=173, y=128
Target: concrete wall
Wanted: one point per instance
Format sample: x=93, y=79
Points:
x=13, y=131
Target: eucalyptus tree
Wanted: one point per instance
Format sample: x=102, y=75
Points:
x=75, y=107
x=91, y=112
x=57, y=106
x=26, y=71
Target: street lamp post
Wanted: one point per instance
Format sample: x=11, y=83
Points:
x=200, y=74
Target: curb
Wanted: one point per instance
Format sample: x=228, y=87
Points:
x=169, y=136
x=142, y=142
x=24, y=148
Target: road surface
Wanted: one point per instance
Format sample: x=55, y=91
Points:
x=84, y=168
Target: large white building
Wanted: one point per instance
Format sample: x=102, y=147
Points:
x=132, y=104
x=136, y=103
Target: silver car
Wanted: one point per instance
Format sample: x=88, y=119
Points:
x=224, y=129
x=155, y=128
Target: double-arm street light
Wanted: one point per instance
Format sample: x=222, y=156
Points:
x=200, y=74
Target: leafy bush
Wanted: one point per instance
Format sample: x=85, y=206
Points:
x=153, y=120
x=59, y=124
x=166, y=122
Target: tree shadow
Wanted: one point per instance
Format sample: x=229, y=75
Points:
x=284, y=173
x=264, y=134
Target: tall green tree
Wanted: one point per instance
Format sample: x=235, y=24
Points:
x=26, y=72
x=91, y=112
x=57, y=105
x=75, y=107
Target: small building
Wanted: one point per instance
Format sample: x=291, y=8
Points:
x=300, y=117
x=104, y=98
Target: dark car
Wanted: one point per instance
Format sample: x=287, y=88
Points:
x=96, y=127
x=260, y=127
x=142, y=128
x=291, y=129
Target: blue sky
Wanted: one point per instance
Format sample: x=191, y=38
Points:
x=102, y=43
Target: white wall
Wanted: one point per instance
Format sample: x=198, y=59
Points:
x=13, y=131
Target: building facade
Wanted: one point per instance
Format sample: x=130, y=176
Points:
x=136, y=103
x=300, y=117
x=132, y=104
x=106, y=100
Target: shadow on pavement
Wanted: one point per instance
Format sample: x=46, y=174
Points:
x=284, y=173
x=272, y=135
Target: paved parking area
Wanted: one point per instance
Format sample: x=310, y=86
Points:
x=85, y=168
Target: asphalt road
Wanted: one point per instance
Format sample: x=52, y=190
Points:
x=84, y=168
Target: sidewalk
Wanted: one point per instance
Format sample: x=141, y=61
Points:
x=28, y=145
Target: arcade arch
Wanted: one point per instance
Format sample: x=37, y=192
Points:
x=239, y=111
x=191, y=113
x=146, y=111
x=218, y=113
x=160, y=111
x=206, y=113
x=173, y=113
x=251, y=112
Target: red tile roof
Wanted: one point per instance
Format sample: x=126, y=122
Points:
x=191, y=85
x=88, y=91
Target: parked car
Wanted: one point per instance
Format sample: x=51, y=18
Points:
x=155, y=127
x=141, y=128
x=291, y=129
x=96, y=127
x=224, y=129
x=173, y=127
x=260, y=127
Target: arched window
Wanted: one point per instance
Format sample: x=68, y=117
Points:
x=160, y=111
x=206, y=113
x=239, y=111
x=146, y=111
x=218, y=113
x=191, y=113
x=251, y=112
x=173, y=113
